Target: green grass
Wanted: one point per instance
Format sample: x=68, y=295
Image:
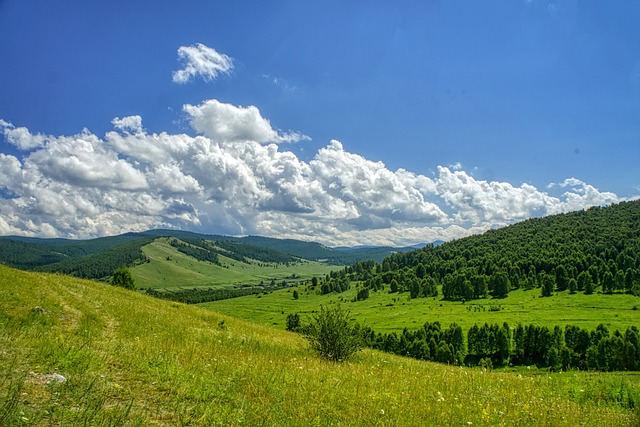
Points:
x=381, y=313
x=133, y=360
x=171, y=269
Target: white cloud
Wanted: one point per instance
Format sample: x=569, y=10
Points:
x=233, y=179
x=229, y=123
x=130, y=124
x=203, y=61
x=21, y=137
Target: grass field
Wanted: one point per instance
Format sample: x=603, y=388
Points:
x=385, y=312
x=129, y=359
x=170, y=269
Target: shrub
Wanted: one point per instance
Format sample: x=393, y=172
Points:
x=333, y=335
x=122, y=277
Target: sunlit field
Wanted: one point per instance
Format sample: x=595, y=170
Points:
x=129, y=359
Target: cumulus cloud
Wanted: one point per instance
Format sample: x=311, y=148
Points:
x=229, y=123
x=130, y=124
x=21, y=137
x=203, y=61
x=232, y=177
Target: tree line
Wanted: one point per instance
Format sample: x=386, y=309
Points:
x=201, y=295
x=493, y=345
x=557, y=348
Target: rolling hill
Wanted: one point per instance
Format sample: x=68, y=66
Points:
x=98, y=258
x=78, y=352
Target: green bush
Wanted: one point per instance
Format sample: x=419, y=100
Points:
x=333, y=335
x=122, y=277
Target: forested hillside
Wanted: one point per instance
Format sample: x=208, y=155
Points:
x=97, y=258
x=102, y=264
x=585, y=251
x=29, y=252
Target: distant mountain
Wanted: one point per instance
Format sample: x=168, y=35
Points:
x=97, y=258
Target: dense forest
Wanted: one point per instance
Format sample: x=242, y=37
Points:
x=585, y=251
x=29, y=253
x=499, y=345
x=101, y=265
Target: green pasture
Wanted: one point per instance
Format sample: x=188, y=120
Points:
x=80, y=353
x=170, y=269
x=385, y=312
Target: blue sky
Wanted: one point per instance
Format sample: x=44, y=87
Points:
x=452, y=116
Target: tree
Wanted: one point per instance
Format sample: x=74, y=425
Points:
x=122, y=277
x=547, y=285
x=420, y=271
x=561, y=278
x=362, y=294
x=295, y=294
x=607, y=282
x=333, y=335
x=500, y=284
x=584, y=281
x=394, y=286
x=293, y=322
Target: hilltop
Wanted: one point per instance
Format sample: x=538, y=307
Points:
x=77, y=352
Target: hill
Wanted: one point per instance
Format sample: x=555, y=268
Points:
x=174, y=264
x=76, y=352
x=98, y=258
x=584, y=251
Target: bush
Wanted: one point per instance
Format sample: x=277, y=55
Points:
x=122, y=277
x=332, y=335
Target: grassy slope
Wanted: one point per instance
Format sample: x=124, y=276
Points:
x=184, y=271
x=133, y=360
x=588, y=311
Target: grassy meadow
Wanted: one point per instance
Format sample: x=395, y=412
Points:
x=385, y=312
x=129, y=359
x=170, y=269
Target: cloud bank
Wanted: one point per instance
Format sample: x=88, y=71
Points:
x=232, y=177
x=203, y=61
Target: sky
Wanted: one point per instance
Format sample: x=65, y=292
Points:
x=346, y=123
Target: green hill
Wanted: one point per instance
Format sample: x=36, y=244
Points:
x=98, y=258
x=170, y=268
x=76, y=352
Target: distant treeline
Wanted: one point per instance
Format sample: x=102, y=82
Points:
x=102, y=265
x=584, y=251
x=499, y=345
x=200, y=295
x=242, y=252
x=198, y=249
x=207, y=250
